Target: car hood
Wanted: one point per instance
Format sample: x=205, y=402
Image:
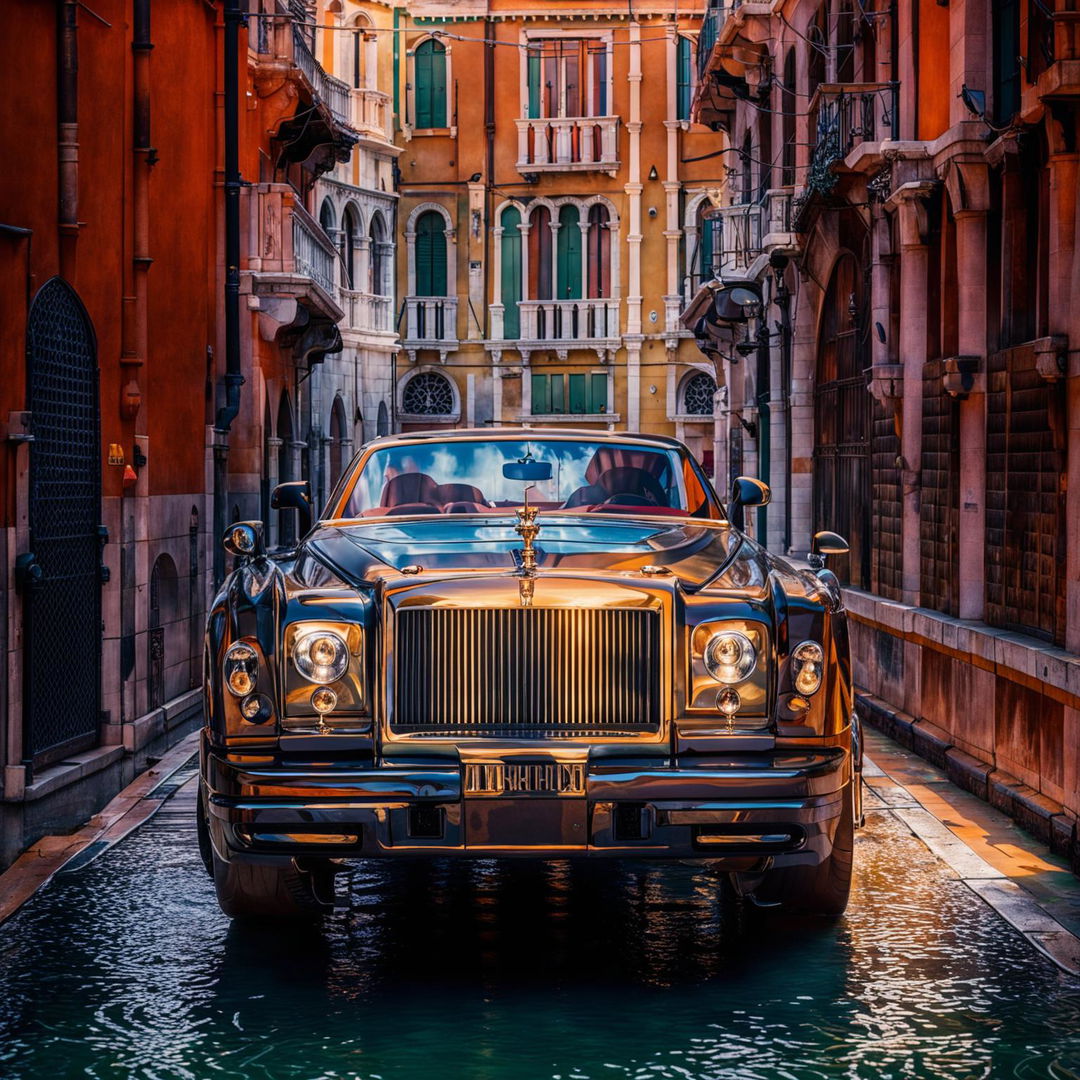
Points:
x=694, y=552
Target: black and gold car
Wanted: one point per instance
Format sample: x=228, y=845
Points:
x=526, y=643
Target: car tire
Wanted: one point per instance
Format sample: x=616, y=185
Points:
x=286, y=891
x=817, y=890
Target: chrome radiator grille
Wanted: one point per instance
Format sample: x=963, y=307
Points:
x=526, y=672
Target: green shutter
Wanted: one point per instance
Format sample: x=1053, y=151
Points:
x=598, y=392
x=541, y=396
x=577, y=394
x=568, y=286
x=511, y=272
x=429, y=70
x=705, y=246
x=533, y=62
x=558, y=393
x=430, y=255
x=683, y=82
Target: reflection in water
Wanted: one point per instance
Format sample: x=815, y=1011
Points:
x=518, y=970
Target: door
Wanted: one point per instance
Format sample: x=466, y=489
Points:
x=62, y=609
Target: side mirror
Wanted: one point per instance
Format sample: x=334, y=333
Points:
x=295, y=495
x=530, y=471
x=826, y=543
x=746, y=491
x=245, y=539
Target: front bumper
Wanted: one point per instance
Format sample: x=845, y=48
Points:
x=782, y=805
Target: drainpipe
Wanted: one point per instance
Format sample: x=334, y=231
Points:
x=135, y=318
x=233, y=379
x=67, y=143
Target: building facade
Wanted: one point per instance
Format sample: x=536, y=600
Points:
x=550, y=184
x=904, y=186
x=108, y=340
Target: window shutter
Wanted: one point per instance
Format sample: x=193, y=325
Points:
x=541, y=395
x=558, y=393
x=533, y=62
x=569, y=255
x=682, y=76
x=430, y=255
x=598, y=392
x=577, y=394
x=511, y=272
x=429, y=69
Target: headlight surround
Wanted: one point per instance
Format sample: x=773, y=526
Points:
x=321, y=656
x=730, y=657
x=240, y=668
x=807, y=667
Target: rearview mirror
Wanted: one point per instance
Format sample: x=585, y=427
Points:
x=826, y=543
x=529, y=471
x=245, y=539
x=295, y=495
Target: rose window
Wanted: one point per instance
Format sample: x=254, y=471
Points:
x=428, y=394
x=698, y=395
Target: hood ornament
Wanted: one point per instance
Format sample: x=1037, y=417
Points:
x=528, y=530
x=530, y=471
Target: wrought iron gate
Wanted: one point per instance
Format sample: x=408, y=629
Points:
x=62, y=600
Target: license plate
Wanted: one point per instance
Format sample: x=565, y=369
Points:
x=524, y=778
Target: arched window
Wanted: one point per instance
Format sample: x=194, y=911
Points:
x=684, y=76
x=569, y=254
x=382, y=420
x=429, y=66
x=707, y=246
x=599, y=250
x=746, y=167
x=355, y=53
x=337, y=439
x=348, y=247
x=540, y=254
x=428, y=393
x=431, y=254
x=698, y=393
x=818, y=38
x=377, y=257
x=286, y=518
x=510, y=282
x=787, y=106
x=326, y=216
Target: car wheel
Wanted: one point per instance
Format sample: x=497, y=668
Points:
x=278, y=891
x=202, y=829
x=817, y=890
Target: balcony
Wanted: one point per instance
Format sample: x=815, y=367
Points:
x=367, y=313
x=559, y=326
x=568, y=144
x=738, y=240
x=732, y=59
x=430, y=323
x=844, y=117
x=328, y=89
x=295, y=256
x=1054, y=48
x=371, y=115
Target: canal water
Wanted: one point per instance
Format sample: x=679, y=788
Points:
x=492, y=971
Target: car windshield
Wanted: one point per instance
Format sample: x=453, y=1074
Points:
x=466, y=477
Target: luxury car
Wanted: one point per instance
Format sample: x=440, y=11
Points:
x=526, y=642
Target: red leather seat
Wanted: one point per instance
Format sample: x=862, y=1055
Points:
x=414, y=487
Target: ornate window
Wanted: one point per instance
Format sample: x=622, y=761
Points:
x=428, y=394
x=698, y=393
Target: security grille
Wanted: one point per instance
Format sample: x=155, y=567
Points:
x=63, y=612
x=939, y=524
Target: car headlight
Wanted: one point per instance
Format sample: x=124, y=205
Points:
x=321, y=656
x=241, y=668
x=808, y=664
x=729, y=657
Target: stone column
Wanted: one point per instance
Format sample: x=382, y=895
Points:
x=969, y=193
x=909, y=202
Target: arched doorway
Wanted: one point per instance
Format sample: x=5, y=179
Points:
x=164, y=612
x=842, y=496
x=61, y=715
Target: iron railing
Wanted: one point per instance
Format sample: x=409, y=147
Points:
x=842, y=116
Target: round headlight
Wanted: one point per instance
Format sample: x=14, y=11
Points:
x=808, y=661
x=730, y=657
x=321, y=656
x=241, y=669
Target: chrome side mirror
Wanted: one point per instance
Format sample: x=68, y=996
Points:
x=826, y=543
x=245, y=540
x=295, y=495
x=746, y=491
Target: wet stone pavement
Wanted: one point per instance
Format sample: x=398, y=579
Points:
x=126, y=968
